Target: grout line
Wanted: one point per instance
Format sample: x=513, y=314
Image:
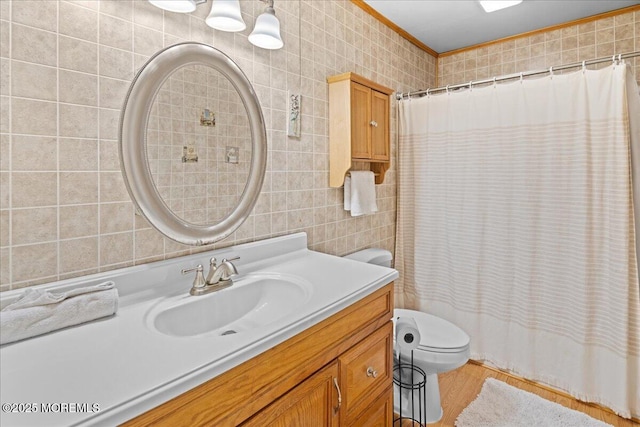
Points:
x=10, y=126
x=58, y=261
x=134, y=70
x=98, y=102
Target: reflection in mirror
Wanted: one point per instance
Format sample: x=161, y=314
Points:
x=199, y=144
x=185, y=200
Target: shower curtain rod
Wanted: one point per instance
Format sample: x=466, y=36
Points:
x=614, y=58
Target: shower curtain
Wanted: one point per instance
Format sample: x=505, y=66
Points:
x=516, y=223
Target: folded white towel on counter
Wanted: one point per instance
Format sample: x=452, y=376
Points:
x=38, y=311
x=33, y=297
x=360, y=193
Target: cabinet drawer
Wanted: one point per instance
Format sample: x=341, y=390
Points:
x=378, y=414
x=366, y=369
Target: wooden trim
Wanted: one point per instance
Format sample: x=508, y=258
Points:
x=361, y=80
x=244, y=390
x=377, y=15
x=547, y=388
x=543, y=30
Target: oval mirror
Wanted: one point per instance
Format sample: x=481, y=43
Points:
x=193, y=144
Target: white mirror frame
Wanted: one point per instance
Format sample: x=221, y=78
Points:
x=133, y=147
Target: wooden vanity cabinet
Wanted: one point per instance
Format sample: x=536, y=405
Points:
x=352, y=391
x=336, y=373
x=359, y=129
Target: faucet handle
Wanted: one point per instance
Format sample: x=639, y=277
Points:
x=230, y=268
x=198, y=282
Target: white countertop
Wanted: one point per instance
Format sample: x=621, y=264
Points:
x=126, y=368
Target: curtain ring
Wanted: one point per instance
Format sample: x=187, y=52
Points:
x=447, y=89
x=619, y=58
x=551, y=72
x=494, y=81
x=470, y=84
x=521, y=76
x=613, y=59
x=584, y=66
x=428, y=89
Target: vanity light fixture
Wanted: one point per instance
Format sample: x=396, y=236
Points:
x=225, y=15
x=266, y=33
x=493, y=5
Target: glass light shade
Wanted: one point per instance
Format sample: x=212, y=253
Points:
x=493, y=5
x=266, y=33
x=225, y=16
x=180, y=6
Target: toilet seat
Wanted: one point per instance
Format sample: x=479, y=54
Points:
x=436, y=335
x=442, y=350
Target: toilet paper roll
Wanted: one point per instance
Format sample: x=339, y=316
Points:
x=407, y=334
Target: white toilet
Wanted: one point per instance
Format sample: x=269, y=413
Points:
x=443, y=346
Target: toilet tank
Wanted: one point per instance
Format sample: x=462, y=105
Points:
x=372, y=256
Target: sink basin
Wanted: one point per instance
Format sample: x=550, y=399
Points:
x=252, y=302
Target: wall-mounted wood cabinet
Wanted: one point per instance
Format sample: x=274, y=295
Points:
x=359, y=129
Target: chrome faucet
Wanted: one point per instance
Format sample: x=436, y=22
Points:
x=219, y=276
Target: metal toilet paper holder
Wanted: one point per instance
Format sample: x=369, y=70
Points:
x=411, y=381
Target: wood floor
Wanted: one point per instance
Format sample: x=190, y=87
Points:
x=460, y=387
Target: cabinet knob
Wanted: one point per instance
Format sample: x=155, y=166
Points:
x=373, y=123
x=372, y=372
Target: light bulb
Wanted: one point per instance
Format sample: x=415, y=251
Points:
x=180, y=6
x=266, y=33
x=493, y=5
x=225, y=16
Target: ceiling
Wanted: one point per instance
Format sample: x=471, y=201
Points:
x=455, y=24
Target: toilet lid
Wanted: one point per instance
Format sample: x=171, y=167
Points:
x=436, y=334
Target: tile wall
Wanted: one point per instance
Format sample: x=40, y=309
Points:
x=65, y=67
x=595, y=39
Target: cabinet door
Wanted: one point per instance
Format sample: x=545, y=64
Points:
x=360, y=118
x=379, y=126
x=313, y=403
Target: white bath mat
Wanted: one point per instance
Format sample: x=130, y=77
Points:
x=501, y=405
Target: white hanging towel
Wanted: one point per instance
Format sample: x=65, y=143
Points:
x=360, y=193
